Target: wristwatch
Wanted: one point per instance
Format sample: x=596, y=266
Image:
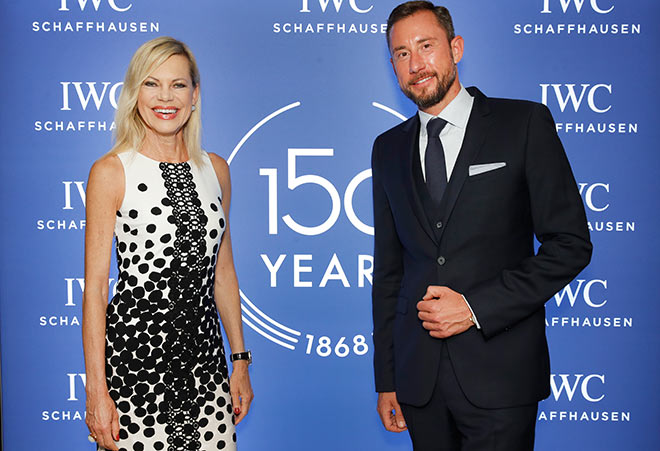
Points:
x=247, y=355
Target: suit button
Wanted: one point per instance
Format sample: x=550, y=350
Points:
x=438, y=224
x=441, y=260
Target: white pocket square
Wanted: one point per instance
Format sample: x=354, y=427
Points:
x=477, y=169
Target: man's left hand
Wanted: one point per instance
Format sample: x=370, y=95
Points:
x=444, y=312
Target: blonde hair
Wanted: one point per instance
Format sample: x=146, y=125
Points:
x=131, y=130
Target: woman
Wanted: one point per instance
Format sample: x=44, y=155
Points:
x=156, y=370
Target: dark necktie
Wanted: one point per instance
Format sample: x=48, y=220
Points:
x=434, y=161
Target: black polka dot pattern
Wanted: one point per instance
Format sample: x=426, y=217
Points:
x=166, y=368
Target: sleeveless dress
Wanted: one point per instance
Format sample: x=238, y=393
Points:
x=165, y=362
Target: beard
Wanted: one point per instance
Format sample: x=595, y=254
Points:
x=424, y=101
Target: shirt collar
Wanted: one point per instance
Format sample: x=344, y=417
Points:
x=457, y=113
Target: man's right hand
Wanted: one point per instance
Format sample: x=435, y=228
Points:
x=390, y=412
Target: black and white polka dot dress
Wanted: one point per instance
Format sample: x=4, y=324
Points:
x=166, y=368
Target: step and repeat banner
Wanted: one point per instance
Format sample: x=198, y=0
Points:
x=293, y=93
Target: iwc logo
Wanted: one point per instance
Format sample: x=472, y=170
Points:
x=84, y=107
x=71, y=213
x=585, y=304
x=588, y=18
x=68, y=314
x=335, y=9
x=597, y=198
x=114, y=9
x=73, y=387
x=577, y=397
x=591, y=101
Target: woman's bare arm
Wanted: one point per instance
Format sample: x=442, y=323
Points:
x=105, y=192
x=228, y=301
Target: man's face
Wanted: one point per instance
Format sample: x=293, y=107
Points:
x=424, y=61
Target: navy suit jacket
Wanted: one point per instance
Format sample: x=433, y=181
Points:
x=480, y=243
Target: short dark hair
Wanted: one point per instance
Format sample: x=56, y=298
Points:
x=409, y=8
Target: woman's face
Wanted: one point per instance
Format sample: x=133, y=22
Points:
x=166, y=97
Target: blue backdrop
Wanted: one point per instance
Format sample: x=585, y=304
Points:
x=294, y=93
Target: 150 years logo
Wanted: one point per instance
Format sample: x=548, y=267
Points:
x=306, y=253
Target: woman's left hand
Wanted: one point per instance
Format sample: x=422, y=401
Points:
x=240, y=389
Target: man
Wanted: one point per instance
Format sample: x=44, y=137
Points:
x=461, y=358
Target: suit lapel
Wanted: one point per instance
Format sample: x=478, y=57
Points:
x=410, y=143
x=475, y=136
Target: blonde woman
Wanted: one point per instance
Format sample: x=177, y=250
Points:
x=157, y=376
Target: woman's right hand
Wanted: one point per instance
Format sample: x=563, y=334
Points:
x=102, y=420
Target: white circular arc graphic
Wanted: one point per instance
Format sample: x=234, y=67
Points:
x=257, y=127
x=389, y=110
x=247, y=304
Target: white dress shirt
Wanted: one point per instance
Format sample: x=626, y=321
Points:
x=457, y=114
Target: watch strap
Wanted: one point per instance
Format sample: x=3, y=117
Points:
x=246, y=355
